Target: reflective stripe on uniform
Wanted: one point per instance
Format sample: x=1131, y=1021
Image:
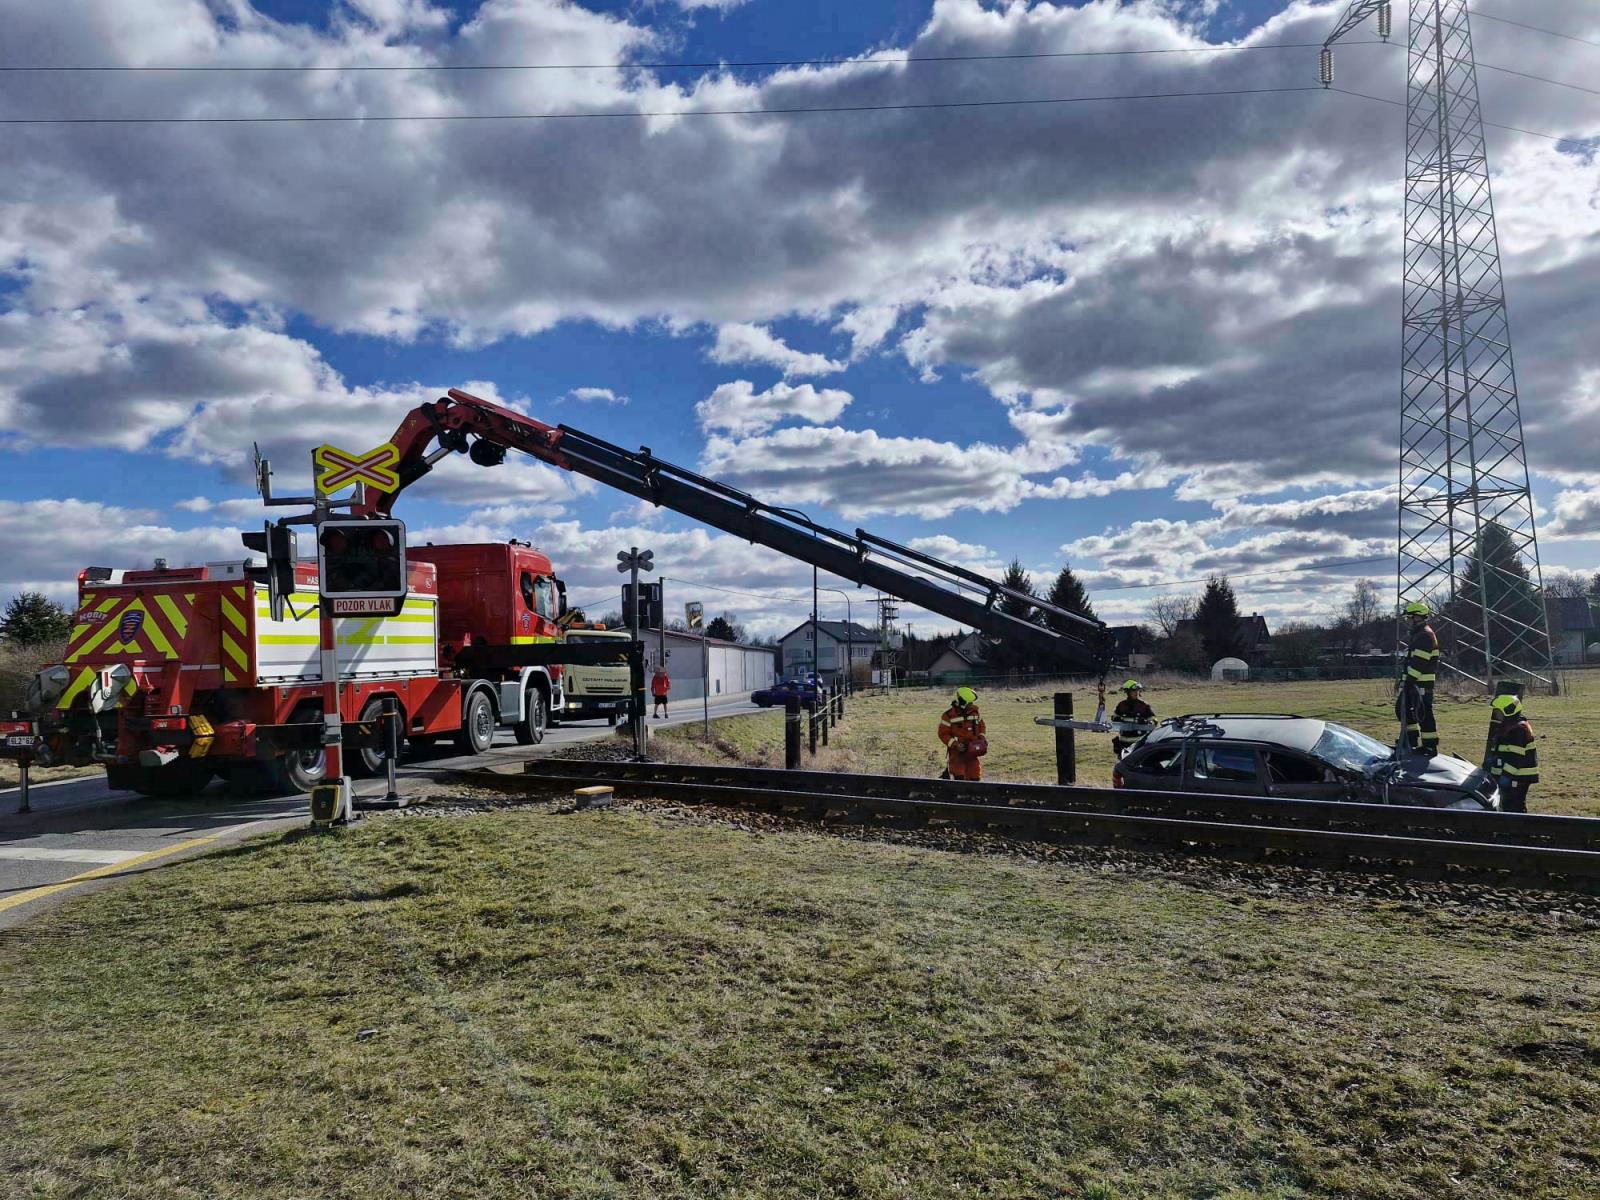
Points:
x=1508, y=748
x=1524, y=772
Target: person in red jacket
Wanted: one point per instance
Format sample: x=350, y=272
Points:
x=660, y=685
x=962, y=731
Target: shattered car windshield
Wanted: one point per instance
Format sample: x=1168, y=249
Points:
x=1348, y=749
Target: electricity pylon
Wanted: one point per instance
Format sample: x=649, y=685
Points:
x=1467, y=545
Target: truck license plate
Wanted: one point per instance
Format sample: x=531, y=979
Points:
x=20, y=741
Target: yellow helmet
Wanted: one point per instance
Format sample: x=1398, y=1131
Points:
x=1133, y=685
x=1507, y=706
x=966, y=696
x=1416, y=609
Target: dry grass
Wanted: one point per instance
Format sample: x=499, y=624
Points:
x=625, y=1005
x=894, y=733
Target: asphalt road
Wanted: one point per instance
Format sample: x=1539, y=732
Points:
x=81, y=834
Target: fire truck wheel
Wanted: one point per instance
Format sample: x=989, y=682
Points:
x=476, y=734
x=367, y=760
x=530, y=730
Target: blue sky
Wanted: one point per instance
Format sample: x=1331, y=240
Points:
x=1154, y=340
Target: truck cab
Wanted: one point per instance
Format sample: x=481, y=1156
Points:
x=502, y=594
x=595, y=691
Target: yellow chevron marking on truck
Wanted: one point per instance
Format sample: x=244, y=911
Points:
x=180, y=623
x=85, y=677
x=106, y=630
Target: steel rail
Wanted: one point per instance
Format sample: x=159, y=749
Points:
x=1513, y=849
x=1523, y=829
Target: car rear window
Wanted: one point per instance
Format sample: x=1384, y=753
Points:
x=1235, y=764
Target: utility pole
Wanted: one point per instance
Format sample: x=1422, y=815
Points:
x=1467, y=546
x=630, y=562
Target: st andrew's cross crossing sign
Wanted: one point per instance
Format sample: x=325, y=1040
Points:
x=338, y=469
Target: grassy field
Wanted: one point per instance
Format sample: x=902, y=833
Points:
x=631, y=1004
x=894, y=733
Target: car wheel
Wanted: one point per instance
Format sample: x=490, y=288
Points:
x=530, y=730
x=476, y=734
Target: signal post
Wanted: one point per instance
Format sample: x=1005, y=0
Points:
x=361, y=571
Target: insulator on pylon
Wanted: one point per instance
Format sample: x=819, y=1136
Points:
x=1325, y=67
x=1385, y=20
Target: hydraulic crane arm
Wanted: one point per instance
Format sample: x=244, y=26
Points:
x=461, y=422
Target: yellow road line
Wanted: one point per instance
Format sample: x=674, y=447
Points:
x=50, y=889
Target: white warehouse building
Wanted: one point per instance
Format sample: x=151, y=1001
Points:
x=735, y=670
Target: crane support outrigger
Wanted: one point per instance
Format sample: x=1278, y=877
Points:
x=460, y=422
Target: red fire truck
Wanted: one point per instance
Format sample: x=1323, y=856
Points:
x=171, y=676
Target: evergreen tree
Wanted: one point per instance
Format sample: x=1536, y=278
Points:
x=1067, y=592
x=1008, y=655
x=1018, y=580
x=32, y=618
x=1496, y=579
x=721, y=627
x=1216, y=618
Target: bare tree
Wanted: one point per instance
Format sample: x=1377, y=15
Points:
x=1167, y=611
x=1565, y=584
x=1365, y=605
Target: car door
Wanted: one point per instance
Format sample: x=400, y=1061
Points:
x=1226, y=768
x=1298, y=777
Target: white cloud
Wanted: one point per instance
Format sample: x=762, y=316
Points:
x=745, y=343
x=45, y=543
x=1216, y=312
x=737, y=407
x=597, y=395
x=1577, y=514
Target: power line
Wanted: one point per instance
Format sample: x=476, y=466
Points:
x=1577, y=87
x=635, y=115
x=1353, y=562
x=866, y=60
x=1478, y=12
x=1552, y=137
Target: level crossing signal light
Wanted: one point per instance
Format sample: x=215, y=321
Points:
x=277, y=544
x=361, y=566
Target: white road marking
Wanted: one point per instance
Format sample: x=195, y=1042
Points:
x=52, y=854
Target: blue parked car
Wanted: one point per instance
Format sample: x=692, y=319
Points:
x=779, y=693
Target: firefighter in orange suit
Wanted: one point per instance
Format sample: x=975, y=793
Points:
x=961, y=729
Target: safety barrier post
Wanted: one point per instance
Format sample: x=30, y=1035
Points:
x=1066, y=742
x=791, y=734
x=391, y=746
x=826, y=721
x=22, y=771
x=811, y=727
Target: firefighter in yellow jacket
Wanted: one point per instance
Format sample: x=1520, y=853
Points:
x=1513, y=757
x=962, y=731
x=1414, y=704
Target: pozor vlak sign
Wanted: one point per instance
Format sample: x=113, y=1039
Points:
x=361, y=567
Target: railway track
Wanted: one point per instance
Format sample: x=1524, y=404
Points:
x=1502, y=849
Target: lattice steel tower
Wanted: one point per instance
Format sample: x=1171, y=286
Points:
x=1467, y=545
